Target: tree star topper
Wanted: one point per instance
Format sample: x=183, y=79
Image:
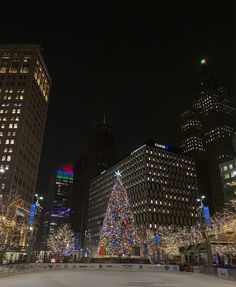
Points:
x=118, y=173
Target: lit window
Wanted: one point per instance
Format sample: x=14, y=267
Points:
x=226, y=176
x=3, y=64
x=12, y=141
x=14, y=66
x=25, y=65
x=8, y=158
x=233, y=173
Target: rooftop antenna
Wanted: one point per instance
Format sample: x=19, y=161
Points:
x=104, y=118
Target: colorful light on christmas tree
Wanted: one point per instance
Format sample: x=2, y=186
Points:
x=118, y=234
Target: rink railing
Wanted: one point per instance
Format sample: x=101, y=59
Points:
x=6, y=270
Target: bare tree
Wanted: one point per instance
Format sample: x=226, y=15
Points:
x=61, y=242
x=13, y=219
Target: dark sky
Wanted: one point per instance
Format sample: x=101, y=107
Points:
x=139, y=64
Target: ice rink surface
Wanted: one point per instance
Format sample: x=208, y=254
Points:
x=112, y=279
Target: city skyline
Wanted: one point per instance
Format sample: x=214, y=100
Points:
x=131, y=69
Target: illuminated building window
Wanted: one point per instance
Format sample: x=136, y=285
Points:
x=233, y=173
x=226, y=176
x=8, y=158
x=3, y=158
x=3, y=65
x=14, y=66
x=25, y=66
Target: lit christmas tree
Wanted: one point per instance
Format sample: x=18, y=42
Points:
x=118, y=234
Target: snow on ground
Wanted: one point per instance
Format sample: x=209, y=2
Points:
x=112, y=279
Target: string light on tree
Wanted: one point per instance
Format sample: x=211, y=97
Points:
x=61, y=242
x=118, y=234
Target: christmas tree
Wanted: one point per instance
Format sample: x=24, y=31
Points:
x=118, y=234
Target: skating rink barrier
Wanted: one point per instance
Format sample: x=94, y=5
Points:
x=6, y=270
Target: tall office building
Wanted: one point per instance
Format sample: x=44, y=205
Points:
x=100, y=156
x=207, y=130
x=161, y=184
x=60, y=209
x=56, y=208
x=24, y=90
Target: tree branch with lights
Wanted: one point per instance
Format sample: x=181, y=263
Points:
x=61, y=242
x=13, y=221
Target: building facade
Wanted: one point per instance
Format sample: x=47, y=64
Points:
x=60, y=210
x=24, y=91
x=56, y=208
x=207, y=131
x=100, y=156
x=161, y=184
x=228, y=176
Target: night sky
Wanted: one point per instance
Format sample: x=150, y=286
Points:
x=138, y=64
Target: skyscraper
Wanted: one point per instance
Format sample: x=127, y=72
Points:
x=24, y=90
x=207, y=132
x=100, y=156
x=60, y=211
x=56, y=208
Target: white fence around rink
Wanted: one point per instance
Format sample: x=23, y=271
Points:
x=34, y=267
x=6, y=270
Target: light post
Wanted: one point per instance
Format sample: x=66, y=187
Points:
x=204, y=231
x=32, y=237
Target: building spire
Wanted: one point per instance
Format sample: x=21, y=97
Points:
x=104, y=118
x=204, y=66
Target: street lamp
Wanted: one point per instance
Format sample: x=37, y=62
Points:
x=204, y=230
x=32, y=237
x=38, y=198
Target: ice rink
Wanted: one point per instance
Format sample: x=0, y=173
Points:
x=112, y=278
